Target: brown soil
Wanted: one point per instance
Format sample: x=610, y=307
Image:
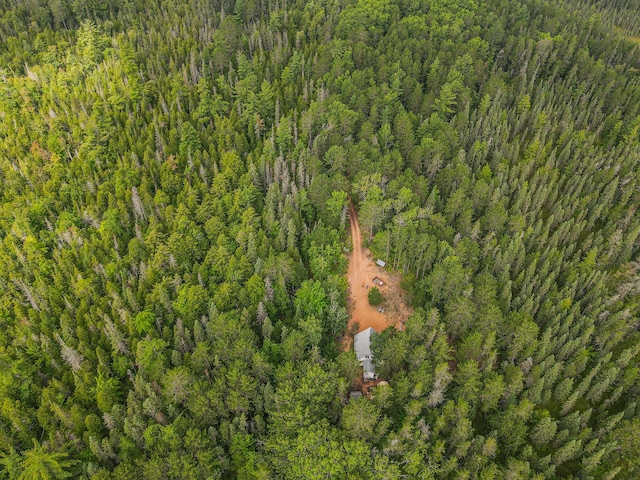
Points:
x=361, y=272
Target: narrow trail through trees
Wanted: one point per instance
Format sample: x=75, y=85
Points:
x=361, y=272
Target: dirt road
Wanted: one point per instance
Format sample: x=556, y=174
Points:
x=361, y=272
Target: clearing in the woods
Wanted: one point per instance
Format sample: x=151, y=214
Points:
x=361, y=272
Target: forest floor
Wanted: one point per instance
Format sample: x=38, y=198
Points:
x=361, y=271
x=624, y=33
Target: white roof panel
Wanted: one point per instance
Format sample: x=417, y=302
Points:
x=362, y=343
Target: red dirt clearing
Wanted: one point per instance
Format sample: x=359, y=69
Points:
x=361, y=272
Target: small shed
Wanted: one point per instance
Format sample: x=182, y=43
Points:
x=381, y=263
x=377, y=281
x=355, y=394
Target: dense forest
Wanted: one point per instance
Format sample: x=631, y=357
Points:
x=174, y=178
